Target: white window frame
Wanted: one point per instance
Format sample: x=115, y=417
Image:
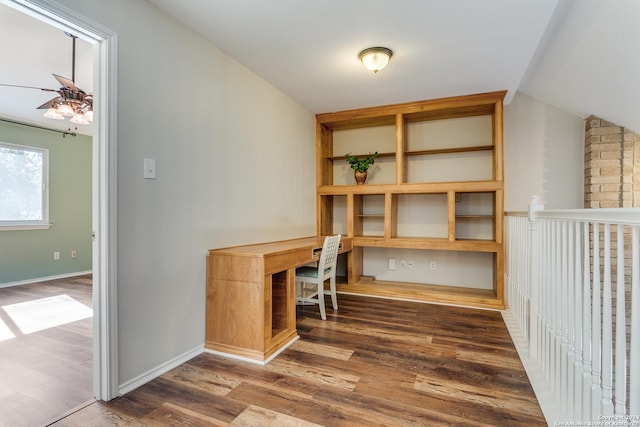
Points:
x=40, y=224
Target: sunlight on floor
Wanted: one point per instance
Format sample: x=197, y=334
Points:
x=5, y=332
x=40, y=314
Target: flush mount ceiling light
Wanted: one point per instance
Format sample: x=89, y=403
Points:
x=375, y=58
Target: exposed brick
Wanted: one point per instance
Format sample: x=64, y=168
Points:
x=606, y=123
x=609, y=204
x=610, y=138
x=605, y=179
x=604, y=163
x=608, y=130
x=609, y=154
x=597, y=155
x=607, y=188
x=592, y=121
x=605, y=196
x=609, y=146
x=609, y=171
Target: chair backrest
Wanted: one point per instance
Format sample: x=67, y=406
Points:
x=329, y=255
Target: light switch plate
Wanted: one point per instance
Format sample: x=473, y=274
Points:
x=150, y=168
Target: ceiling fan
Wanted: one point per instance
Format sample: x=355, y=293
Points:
x=71, y=101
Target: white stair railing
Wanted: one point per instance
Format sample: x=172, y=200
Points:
x=573, y=294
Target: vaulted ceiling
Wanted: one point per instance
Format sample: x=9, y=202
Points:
x=579, y=55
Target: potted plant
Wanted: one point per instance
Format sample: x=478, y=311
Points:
x=360, y=165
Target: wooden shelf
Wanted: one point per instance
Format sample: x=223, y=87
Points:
x=450, y=150
x=343, y=158
x=425, y=293
x=412, y=188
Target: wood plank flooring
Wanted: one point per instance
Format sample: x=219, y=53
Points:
x=374, y=362
x=46, y=373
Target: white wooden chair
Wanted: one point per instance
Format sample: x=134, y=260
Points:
x=310, y=280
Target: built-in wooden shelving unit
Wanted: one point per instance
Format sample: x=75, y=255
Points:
x=466, y=196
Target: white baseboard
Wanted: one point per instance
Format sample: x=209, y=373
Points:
x=546, y=399
x=159, y=370
x=44, y=279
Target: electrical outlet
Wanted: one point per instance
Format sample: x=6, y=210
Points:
x=403, y=263
x=392, y=264
x=433, y=265
x=56, y=255
x=74, y=254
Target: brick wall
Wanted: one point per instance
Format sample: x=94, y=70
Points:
x=612, y=180
x=611, y=165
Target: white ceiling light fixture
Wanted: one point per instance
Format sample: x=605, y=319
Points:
x=375, y=58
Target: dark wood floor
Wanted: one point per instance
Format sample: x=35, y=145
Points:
x=47, y=373
x=375, y=362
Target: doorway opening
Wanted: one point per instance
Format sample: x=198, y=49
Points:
x=105, y=376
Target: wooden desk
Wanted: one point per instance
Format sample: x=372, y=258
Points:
x=251, y=309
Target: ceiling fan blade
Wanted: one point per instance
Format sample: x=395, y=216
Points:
x=29, y=87
x=49, y=104
x=65, y=82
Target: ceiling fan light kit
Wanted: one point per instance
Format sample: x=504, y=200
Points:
x=52, y=113
x=375, y=58
x=71, y=101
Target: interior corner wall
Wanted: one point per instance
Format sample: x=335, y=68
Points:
x=235, y=164
x=543, y=155
x=27, y=255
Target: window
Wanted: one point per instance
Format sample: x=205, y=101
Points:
x=24, y=176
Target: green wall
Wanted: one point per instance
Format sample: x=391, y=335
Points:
x=26, y=255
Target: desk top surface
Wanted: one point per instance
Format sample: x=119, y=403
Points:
x=273, y=247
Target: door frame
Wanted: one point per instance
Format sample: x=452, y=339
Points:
x=105, y=325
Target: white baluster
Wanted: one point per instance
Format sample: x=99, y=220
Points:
x=558, y=310
x=596, y=333
x=607, y=374
x=534, y=278
x=548, y=307
x=571, y=329
x=634, y=357
x=586, y=323
x=577, y=286
x=621, y=329
x=555, y=288
x=543, y=307
x=564, y=314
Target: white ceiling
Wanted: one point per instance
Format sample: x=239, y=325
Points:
x=309, y=49
x=579, y=55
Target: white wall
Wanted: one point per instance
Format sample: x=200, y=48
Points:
x=543, y=155
x=235, y=164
